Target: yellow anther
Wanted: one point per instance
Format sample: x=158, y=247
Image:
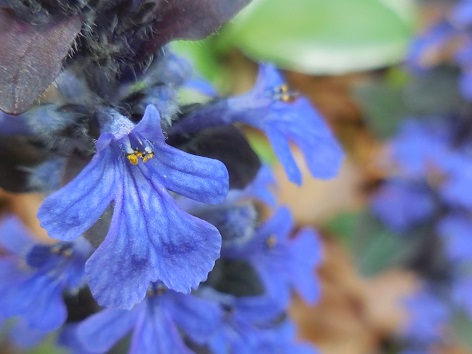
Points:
x=132, y=158
x=148, y=156
x=284, y=94
x=271, y=241
x=67, y=253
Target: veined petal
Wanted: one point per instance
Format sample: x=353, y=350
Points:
x=199, y=178
x=150, y=238
x=73, y=209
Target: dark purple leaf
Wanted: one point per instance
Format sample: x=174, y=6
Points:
x=31, y=57
x=189, y=19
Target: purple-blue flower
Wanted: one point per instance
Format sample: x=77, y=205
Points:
x=150, y=238
x=461, y=293
x=455, y=189
x=282, y=262
x=34, y=278
x=420, y=148
x=427, y=318
x=247, y=324
x=401, y=204
x=271, y=107
x=456, y=233
x=156, y=324
x=427, y=46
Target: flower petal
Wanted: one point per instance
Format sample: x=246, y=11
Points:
x=196, y=177
x=282, y=149
x=150, y=238
x=73, y=209
x=15, y=236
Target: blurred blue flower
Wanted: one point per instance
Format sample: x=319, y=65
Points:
x=149, y=237
x=420, y=147
x=32, y=287
x=282, y=262
x=156, y=324
x=427, y=318
x=271, y=107
x=247, y=323
x=455, y=231
x=461, y=294
x=401, y=204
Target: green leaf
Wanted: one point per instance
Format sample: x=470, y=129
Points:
x=383, y=104
x=204, y=57
x=321, y=36
x=374, y=248
x=462, y=327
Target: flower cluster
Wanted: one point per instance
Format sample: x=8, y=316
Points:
x=429, y=198
x=448, y=39
x=157, y=205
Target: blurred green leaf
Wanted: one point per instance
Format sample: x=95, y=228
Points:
x=386, y=102
x=374, y=248
x=202, y=54
x=262, y=147
x=462, y=328
x=382, y=106
x=320, y=36
x=434, y=93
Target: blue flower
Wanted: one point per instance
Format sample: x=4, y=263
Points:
x=247, y=324
x=282, y=340
x=461, y=294
x=150, y=238
x=271, y=107
x=156, y=324
x=461, y=15
x=401, y=204
x=427, y=317
x=421, y=148
x=282, y=262
x=456, y=187
x=33, y=290
x=425, y=47
x=455, y=230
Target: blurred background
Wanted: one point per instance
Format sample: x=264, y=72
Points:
x=371, y=67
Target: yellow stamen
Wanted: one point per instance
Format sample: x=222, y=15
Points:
x=285, y=95
x=148, y=157
x=132, y=158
